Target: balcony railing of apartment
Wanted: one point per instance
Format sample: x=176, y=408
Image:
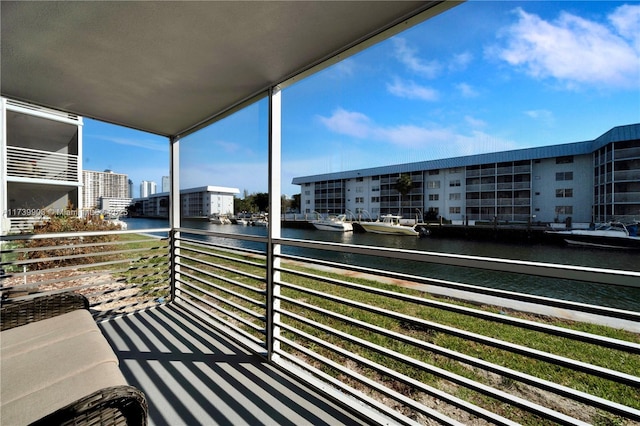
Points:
x=405, y=348
x=630, y=175
x=37, y=164
x=627, y=153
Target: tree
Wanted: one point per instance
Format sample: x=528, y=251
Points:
x=261, y=200
x=403, y=186
x=295, y=203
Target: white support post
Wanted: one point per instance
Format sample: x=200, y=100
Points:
x=174, y=214
x=5, y=222
x=273, y=249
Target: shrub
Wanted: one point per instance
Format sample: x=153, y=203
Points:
x=82, y=245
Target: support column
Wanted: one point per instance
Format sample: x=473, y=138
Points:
x=174, y=214
x=273, y=249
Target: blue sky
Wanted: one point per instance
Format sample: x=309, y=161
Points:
x=485, y=76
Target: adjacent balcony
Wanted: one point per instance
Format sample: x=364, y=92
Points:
x=219, y=328
x=25, y=165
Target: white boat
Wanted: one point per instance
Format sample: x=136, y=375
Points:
x=262, y=220
x=333, y=223
x=607, y=235
x=389, y=224
x=220, y=219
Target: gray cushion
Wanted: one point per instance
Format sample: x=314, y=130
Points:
x=52, y=363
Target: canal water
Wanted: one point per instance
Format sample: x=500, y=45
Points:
x=600, y=294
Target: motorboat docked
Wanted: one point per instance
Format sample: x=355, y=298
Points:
x=219, y=219
x=261, y=220
x=607, y=235
x=333, y=223
x=389, y=224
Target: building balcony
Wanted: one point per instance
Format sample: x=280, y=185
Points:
x=216, y=333
x=627, y=175
x=627, y=153
x=31, y=165
x=626, y=197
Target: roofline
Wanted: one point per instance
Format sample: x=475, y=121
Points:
x=616, y=134
x=214, y=189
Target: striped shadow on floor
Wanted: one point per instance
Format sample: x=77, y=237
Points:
x=194, y=375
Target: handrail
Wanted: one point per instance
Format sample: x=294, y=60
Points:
x=371, y=333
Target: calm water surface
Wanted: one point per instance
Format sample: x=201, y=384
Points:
x=613, y=296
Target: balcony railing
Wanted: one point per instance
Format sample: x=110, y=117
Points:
x=37, y=164
x=118, y=271
x=414, y=348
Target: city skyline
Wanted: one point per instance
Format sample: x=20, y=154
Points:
x=522, y=74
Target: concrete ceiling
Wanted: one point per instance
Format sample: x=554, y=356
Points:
x=169, y=67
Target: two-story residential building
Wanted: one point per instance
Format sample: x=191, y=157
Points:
x=40, y=163
x=590, y=181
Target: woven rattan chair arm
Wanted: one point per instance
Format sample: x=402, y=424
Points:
x=119, y=405
x=17, y=312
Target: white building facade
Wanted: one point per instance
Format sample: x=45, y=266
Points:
x=200, y=202
x=147, y=188
x=98, y=186
x=591, y=181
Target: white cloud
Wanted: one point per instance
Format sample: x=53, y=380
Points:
x=411, y=90
x=153, y=145
x=460, y=61
x=434, y=141
x=626, y=20
x=408, y=56
x=475, y=122
x=542, y=115
x=574, y=50
x=348, y=123
x=466, y=90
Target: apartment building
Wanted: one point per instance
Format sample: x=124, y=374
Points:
x=590, y=181
x=105, y=190
x=199, y=202
x=148, y=188
x=40, y=163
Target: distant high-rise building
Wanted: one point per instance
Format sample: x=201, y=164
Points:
x=165, y=184
x=107, y=184
x=147, y=188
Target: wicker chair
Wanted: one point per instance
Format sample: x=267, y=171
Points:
x=113, y=405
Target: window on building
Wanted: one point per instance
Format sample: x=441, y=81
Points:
x=375, y=199
x=359, y=189
x=375, y=177
x=455, y=196
x=456, y=170
x=564, y=176
x=307, y=184
x=564, y=193
x=434, y=172
x=307, y=202
x=433, y=184
x=359, y=179
x=434, y=197
x=564, y=160
x=375, y=189
x=564, y=210
x=307, y=192
x=455, y=182
x=454, y=210
x=359, y=200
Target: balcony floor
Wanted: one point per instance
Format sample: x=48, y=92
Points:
x=193, y=374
